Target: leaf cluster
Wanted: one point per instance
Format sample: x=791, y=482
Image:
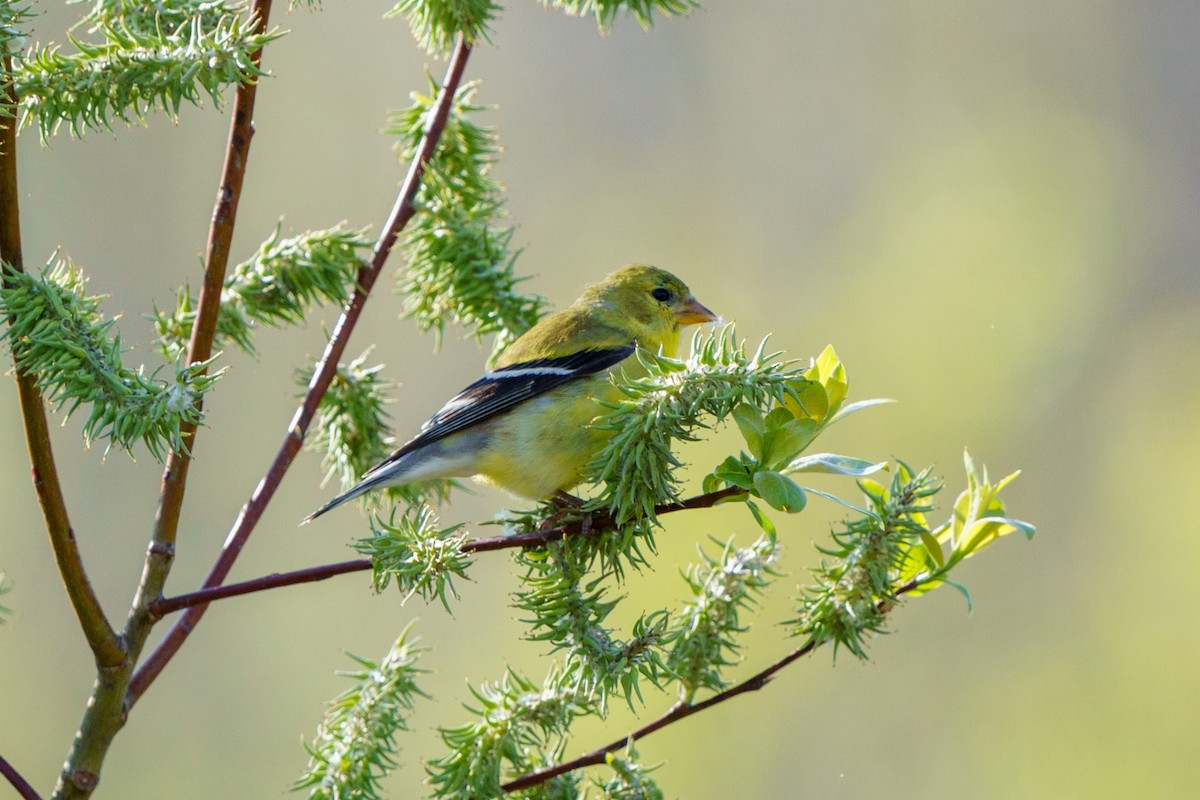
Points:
x=979, y=519
x=355, y=744
x=636, y=469
x=892, y=550
x=722, y=587
x=13, y=15
x=437, y=23
x=776, y=437
x=568, y=610
x=607, y=11
x=853, y=592
x=458, y=246
x=630, y=780
x=421, y=558
x=519, y=727
x=58, y=334
x=276, y=286
x=133, y=68
x=151, y=17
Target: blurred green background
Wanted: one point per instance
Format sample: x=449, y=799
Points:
x=990, y=210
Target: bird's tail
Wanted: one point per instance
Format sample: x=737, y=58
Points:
x=349, y=494
x=405, y=466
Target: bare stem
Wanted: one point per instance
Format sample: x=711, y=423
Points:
x=682, y=710
x=19, y=783
x=402, y=211
x=276, y=580
x=107, y=648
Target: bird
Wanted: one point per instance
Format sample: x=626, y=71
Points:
x=525, y=425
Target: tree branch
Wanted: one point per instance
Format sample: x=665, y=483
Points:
x=22, y=786
x=681, y=710
x=108, y=706
x=164, y=606
x=107, y=648
x=273, y=581
x=247, y=520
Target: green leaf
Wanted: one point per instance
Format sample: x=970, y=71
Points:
x=764, y=522
x=831, y=464
x=830, y=373
x=781, y=443
x=750, y=422
x=734, y=473
x=833, y=497
x=853, y=408
x=963, y=590
x=873, y=489
x=986, y=531
x=780, y=491
x=933, y=547
x=807, y=400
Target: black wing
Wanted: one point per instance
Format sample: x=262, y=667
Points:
x=501, y=389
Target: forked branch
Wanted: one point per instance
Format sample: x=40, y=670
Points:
x=108, y=649
x=402, y=211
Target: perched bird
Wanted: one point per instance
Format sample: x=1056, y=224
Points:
x=524, y=426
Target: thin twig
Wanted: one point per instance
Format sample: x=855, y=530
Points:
x=19, y=783
x=596, y=526
x=106, y=646
x=251, y=512
x=275, y=580
x=681, y=710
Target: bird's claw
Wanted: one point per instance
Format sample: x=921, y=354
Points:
x=567, y=505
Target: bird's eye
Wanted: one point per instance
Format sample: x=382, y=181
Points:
x=661, y=295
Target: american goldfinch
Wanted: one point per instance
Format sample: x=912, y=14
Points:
x=525, y=425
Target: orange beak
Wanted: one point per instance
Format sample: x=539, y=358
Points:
x=692, y=313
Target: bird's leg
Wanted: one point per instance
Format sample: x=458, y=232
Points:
x=566, y=503
x=565, y=500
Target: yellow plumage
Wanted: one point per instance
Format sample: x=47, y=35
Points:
x=524, y=426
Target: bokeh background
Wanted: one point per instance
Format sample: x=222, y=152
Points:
x=992, y=211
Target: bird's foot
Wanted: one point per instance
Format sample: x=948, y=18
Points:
x=567, y=505
x=565, y=500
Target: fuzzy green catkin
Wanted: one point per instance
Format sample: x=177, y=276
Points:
x=58, y=335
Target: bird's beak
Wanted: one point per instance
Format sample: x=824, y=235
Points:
x=692, y=313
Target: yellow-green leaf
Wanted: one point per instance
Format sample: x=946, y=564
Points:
x=750, y=422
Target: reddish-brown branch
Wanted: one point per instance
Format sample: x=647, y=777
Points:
x=169, y=605
x=107, y=647
x=681, y=710
x=19, y=783
x=216, y=264
x=276, y=580
x=673, y=714
x=247, y=520
x=107, y=707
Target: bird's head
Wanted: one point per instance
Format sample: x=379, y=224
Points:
x=651, y=302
